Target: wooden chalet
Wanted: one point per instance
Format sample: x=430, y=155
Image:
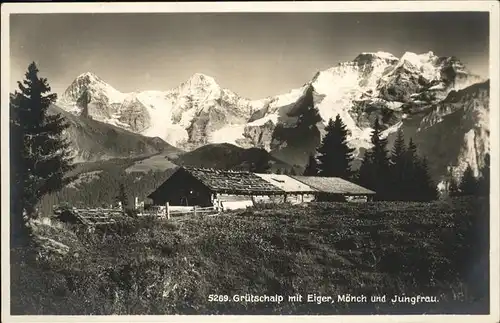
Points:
x=227, y=189
x=189, y=186
x=336, y=189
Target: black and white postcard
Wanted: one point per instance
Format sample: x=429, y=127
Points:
x=250, y=161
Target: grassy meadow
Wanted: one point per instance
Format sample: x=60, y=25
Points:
x=144, y=266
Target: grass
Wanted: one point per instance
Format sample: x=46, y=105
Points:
x=153, y=267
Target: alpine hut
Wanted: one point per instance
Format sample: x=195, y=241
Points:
x=189, y=186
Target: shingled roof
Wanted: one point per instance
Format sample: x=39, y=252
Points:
x=233, y=182
x=287, y=183
x=333, y=185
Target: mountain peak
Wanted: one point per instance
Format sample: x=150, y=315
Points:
x=418, y=59
x=89, y=76
x=370, y=57
x=200, y=78
x=380, y=54
x=92, y=83
x=200, y=82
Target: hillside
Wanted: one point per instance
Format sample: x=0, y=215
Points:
x=96, y=184
x=457, y=131
x=150, y=267
x=228, y=156
x=92, y=140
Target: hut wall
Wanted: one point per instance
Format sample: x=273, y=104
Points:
x=298, y=198
x=232, y=201
x=331, y=197
x=357, y=198
x=290, y=198
x=183, y=190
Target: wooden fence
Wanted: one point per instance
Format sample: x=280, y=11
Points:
x=95, y=217
x=101, y=216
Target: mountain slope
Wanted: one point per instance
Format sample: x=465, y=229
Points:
x=92, y=140
x=199, y=111
x=227, y=156
x=455, y=132
x=401, y=92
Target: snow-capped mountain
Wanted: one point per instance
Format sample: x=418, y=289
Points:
x=186, y=116
x=199, y=111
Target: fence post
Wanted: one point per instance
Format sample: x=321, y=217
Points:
x=194, y=211
x=167, y=210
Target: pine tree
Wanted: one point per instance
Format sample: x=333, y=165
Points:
x=292, y=171
x=468, y=184
x=309, y=114
x=365, y=176
x=374, y=172
x=425, y=188
x=398, y=167
x=278, y=171
x=334, y=155
x=312, y=167
x=40, y=155
x=411, y=170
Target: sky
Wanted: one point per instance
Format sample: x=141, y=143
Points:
x=254, y=54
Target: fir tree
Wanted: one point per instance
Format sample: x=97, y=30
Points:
x=399, y=149
x=292, y=171
x=279, y=171
x=425, y=188
x=411, y=170
x=398, y=167
x=374, y=171
x=334, y=155
x=411, y=152
x=312, y=167
x=309, y=116
x=380, y=153
x=365, y=176
x=40, y=155
x=468, y=184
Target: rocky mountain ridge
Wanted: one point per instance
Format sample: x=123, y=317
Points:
x=414, y=92
x=92, y=140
